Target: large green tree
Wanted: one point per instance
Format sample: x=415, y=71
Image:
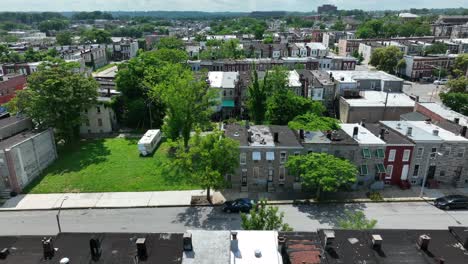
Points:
x=264, y=217
x=322, y=171
x=64, y=38
x=313, y=122
x=56, y=97
x=386, y=59
x=436, y=48
x=257, y=97
x=170, y=43
x=202, y=161
x=356, y=221
x=456, y=101
x=460, y=67
x=458, y=85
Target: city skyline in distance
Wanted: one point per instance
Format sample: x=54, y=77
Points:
x=219, y=5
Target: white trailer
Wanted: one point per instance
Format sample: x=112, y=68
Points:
x=149, y=142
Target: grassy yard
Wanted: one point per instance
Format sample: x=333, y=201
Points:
x=109, y=165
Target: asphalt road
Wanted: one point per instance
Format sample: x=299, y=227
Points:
x=301, y=218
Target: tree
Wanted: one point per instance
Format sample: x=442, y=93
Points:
x=56, y=97
x=264, y=217
x=170, y=43
x=436, y=48
x=64, y=38
x=322, y=171
x=53, y=25
x=459, y=85
x=96, y=36
x=356, y=221
x=256, y=102
x=202, y=160
x=458, y=102
x=460, y=66
x=189, y=101
x=339, y=25
x=231, y=49
x=313, y=122
x=386, y=59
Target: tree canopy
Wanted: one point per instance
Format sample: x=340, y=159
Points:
x=386, y=59
x=170, y=43
x=456, y=101
x=356, y=221
x=264, y=217
x=392, y=26
x=313, y=122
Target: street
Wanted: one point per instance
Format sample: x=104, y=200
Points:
x=413, y=215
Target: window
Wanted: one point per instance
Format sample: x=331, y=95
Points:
x=283, y=157
x=270, y=156
x=389, y=172
x=87, y=122
x=447, y=151
x=297, y=153
x=380, y=153
x=366, y=153
x=406, y=154
x=282, y=174
x=433, y=152
x=256, y=156
x=243, y=158
x=99, y=121
x=256, y=172
x=416, y=170
x=98, y=109
x=364, y=170
x=380, y=168
x=270, y=174
x=419, y=153
x=442, y=173
x=391, y=155
x=461, y=152
x=244, y=177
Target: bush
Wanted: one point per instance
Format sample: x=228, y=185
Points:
x=375, y=196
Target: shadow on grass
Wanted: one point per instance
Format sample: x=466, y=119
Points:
x=330, y=213
x=74, y=157
x=210, y=218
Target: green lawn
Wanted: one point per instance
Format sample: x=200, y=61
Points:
x=109, y=165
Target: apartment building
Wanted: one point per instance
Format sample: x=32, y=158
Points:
x=440, y=155
x=418, y=67
x=242, y=65
x=93, y=57
x=451, y=26
x=319, y=86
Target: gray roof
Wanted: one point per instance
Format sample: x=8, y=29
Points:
x=209, y=248
x=390, y=137
x=265, y=134
x=413, y=116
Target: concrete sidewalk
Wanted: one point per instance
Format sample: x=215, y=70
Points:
x=104, y=200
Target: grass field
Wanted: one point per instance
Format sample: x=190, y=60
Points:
x=109, y=165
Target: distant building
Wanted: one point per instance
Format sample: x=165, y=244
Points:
x=418, y=67
x=407, y=16
x=99, y=119
x=9, y=86
x=451, y=26
x=326, y=9
x=227, y=84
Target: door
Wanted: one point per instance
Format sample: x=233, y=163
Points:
x=404, y=172
x=431, y=172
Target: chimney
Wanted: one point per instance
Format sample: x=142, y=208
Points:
x=234, y=235
x=409, y=131
x=187, y=240
x=435, y=132
x=142, y=252
x=301, y=134
x=377, y=241
x=382, y=133
x=456, y=120
x=48, y=248
x=363, y=122
x=281, y=244
x=463, y=131
x=276, y=137
x=95, y=246
x=423, y=242
x=329, y=135
x=417, y=99
x=329, y=238
x=355, y=132
x=4, y=253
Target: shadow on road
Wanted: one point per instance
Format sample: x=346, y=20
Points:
x=331, y=213
x=210, y=218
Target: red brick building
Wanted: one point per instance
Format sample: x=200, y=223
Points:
x=9, y=86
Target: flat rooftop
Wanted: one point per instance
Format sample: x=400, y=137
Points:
x=262, y=136
x=378, y=99
x=422, y=131
x=18, y=138
x=225, y=80
x=352, y=76
x=446, y=112
x=364, y=136
x=243, y=250
x=390, y=137
x=211, y=247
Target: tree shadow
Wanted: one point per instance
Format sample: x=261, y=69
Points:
x=329, y=213
x=74, y=157
x=209, y=218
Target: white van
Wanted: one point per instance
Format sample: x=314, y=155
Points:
x=149, y=142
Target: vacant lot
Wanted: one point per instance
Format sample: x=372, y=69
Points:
x=109, y=165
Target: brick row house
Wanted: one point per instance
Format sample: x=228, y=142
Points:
x=9, y=86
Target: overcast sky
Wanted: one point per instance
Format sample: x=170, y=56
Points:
x=219, y=5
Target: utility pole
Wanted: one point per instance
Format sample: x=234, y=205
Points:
x=385, y=105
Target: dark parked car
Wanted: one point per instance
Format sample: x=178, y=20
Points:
x=240, y=205
x=451, y=202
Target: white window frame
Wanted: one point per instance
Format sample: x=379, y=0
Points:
x=389, y=172
x=433, y=153
x=419, y=156
x=253, y=156
x=270, y=156
x=406, y=155
x=283, y=157
x=367, y=170
x=447, y=151
x=462, y=152
x=243, y=158
x=392, y=155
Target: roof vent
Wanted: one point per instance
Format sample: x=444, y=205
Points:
x=329, y=238
x=234, y=235
x=65, y=261
x=423, y=242
x=409, y=131
x=258, y=253
x=142, y=252
x=355, y=132
x=95, y=246
x=377, y=241
x=435, y=132
x=456, y=120
x=398, y=126
x=187, y=240
x=48, y=248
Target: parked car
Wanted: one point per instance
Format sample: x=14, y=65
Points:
x=451, y=202
x=240, y=205
x=441, y=82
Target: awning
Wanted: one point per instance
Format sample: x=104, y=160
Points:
x=228, y=103
x=381, y=168
x=256, y=156
x=270, y=156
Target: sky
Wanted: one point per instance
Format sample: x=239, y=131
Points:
x=220, y=5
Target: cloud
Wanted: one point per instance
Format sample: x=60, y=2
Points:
x=219, y=5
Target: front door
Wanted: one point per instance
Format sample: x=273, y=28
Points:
x=404, y=172
x=431, y=172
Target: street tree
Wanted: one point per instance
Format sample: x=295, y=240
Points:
x=356, y=221
x=458, y=85
x=386, y=59
x=264, y=217
x=257, y=97
x=56, y=98
x=460, y=66
x=208, y=159
x=64, y=38
x=313, y=122
x=436, y=48
x=456, y=101
x=322, y=171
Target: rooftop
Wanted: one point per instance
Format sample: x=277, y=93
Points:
x=422, y=131
x=302, y=247
x=293, y=78
x=323, y=77
x=208, y=248
x=16, y=139
x=377, y=99
x=225, y=80
x=408, y=15
x=259, y=247
x=390, y=137
x=446, y=112
x=413, y=116
x=351, y=76
x=364, y=136
x=262, y=136
x=316, y=45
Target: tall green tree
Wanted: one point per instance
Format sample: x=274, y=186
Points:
x=202, y=160
x=56, y=97
x=257, y=98
x=436, y=48
x=313, y=122
x=386, y=59
x=64, y=38
x=170, y=43
x=356, y=221
x=322, y=171
x=188, y=100
x=456, y=101
x=264, y=217
x=459, y=85
x=460, y=66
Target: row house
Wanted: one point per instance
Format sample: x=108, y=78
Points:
x=9, y=85
x=249, y=65
x=440, y=155
x=451, y=26
x=319, y=86
x=228, y=86
x=94, y=57
x=280, y=50
x=418, y=67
